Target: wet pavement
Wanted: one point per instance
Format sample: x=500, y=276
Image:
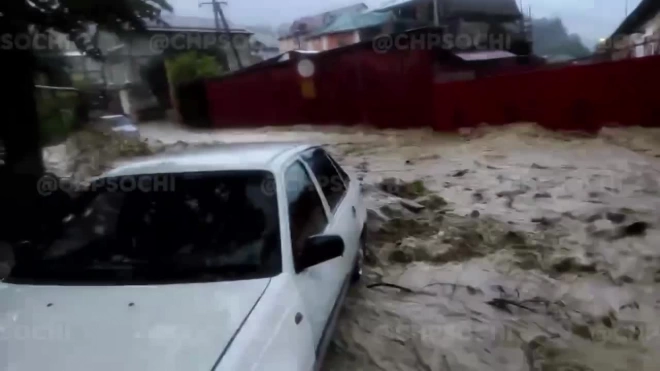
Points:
x=509, y=248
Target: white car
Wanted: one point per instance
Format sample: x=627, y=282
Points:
x=236, y=258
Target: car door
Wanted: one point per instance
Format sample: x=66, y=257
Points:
x=343, y=218
x=307, y=215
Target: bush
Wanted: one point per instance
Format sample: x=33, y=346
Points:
x=57, y=112
x=191, y=66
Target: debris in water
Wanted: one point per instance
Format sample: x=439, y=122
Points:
x=385, y=284
x=432, y=202
x=503, y=304
x=543, y=195
x=634, y=229
x=570, y=265
x=460, y=173
x=593, y=218
x=616, y=218
x=400, y=256
x=399, y=188
x=411, y=205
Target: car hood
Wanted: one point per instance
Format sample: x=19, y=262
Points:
x=161, y=327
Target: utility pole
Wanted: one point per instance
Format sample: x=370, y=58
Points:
x=436, y=18
x=218, y=13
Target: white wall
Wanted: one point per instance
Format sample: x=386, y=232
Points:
x=651, y=33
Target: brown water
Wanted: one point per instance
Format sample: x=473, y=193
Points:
x=535, y=250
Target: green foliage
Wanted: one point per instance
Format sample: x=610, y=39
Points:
x=192, y=65
x=57, y=113
x=552, y=39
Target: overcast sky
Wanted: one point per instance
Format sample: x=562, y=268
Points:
x=591, y=19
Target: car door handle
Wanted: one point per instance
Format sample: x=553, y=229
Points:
x=299, y=318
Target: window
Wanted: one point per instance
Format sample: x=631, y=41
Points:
x=326, y=174
x=341, y=171
x=306, y=214
x=188, y=227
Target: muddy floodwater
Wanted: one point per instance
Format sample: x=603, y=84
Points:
x=510, y=248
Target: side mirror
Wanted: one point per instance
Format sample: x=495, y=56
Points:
x=319, y=249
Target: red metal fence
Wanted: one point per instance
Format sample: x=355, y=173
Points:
x=582, y=97
x=396, y=89
x=386, y=90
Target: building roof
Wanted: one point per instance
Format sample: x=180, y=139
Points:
x=350, y=22
x=268, y=40
x=646, y=10
x=313, y=23
x=489, y=7
x=177, y=23
x=484, y=55
x=231, y=156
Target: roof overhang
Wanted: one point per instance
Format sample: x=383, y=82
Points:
x=484, y=55
x=198, y=30
x=642, y=14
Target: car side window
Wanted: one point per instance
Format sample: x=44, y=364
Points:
x=341, y=171
x=306, y=213
x=326, y=174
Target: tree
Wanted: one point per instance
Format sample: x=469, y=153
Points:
x=552, y=39
x=19, y=130
x=155, y=73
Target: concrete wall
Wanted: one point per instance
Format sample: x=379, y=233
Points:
x=288, y=44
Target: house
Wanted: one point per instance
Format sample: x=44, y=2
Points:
x=466, y=17
x=294, y=37
x=638, y=35
x=128, y=53
x=264, y=42
x=350, y=29
x=459, y=17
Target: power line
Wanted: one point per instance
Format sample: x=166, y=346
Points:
x=218, y=13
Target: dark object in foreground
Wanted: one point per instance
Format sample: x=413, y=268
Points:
x=384, y=284
x=634, y=229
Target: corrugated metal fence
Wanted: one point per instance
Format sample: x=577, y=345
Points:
x=397, y=89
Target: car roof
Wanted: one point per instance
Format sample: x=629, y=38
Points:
x=226, y=156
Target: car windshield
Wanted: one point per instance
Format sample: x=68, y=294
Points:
x=199, y=227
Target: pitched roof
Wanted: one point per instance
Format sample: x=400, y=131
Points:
x=489, y=7
x=315, y=22
x=644, y=12
x=350, y=22
x=190, y=24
